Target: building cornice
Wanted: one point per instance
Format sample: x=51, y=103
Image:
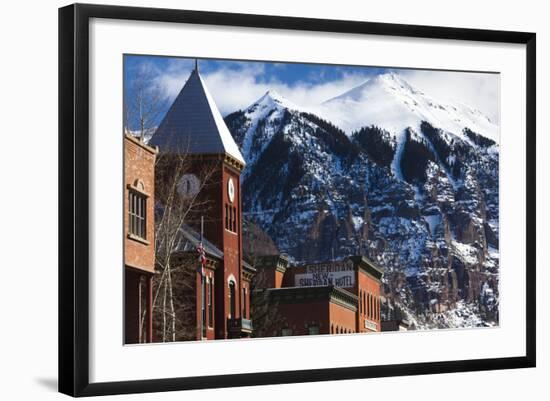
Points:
x=143, y=145
x=368, y=266
x=279, y=262
x=335, y=295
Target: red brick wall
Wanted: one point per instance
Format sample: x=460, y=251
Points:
x=213, y=198
x=232, y=252
x=368, y=285
x=269, y=277
x=279, y=276
x=210, y=326
x=297, y=316
x=245, y=304
x=364, y=284
x=300, y=315
x=341, y=317
x=139, y=164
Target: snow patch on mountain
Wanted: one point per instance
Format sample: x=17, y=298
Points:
x=418, y=195
x=390, y=102
x=396, y=162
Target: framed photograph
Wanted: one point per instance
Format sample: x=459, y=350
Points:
x=250, y=199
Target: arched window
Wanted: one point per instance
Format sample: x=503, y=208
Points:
x=232, y=300
x=364, y=302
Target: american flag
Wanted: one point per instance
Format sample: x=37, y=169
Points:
x=202, y=257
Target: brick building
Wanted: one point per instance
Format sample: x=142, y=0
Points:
x=213, y=297
x=336, y=297
x=139, y=239
x=220, y=293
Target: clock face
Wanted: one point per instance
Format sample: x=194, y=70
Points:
x=188, y=186
x=231, y=190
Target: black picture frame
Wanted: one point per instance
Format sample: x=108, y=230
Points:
x=74, y=198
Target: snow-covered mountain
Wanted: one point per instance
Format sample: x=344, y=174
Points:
x=418, y=195
x=258, y=122
x=390, y=102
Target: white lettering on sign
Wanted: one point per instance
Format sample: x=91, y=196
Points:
x=370, y=325
x=338, y=274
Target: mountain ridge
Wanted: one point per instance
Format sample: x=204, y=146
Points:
x=422, y=202
x=389, y=101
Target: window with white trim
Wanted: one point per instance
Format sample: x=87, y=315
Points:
x=137, y=213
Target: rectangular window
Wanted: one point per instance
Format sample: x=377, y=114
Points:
x=244, y=303
x=203, y=305
x=226, y=217
x=232, y=301
x=210, y=310
x=137, y=207
x=371, y=309
x=230, y=218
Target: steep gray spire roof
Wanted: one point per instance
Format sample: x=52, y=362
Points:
x=194, y=124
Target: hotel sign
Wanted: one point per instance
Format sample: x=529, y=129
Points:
x=370, y=325
x=338, y=274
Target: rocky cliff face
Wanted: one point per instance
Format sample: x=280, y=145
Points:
x=422, y=201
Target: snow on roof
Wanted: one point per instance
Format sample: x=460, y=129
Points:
x=193, y=124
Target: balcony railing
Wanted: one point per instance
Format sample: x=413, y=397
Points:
x=239, y=325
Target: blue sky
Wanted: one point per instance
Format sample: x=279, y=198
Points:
x=237, y=84
x=289, y=73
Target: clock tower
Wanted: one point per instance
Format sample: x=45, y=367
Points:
x=194, y=127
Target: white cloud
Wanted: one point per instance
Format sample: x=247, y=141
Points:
x=235, y=89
